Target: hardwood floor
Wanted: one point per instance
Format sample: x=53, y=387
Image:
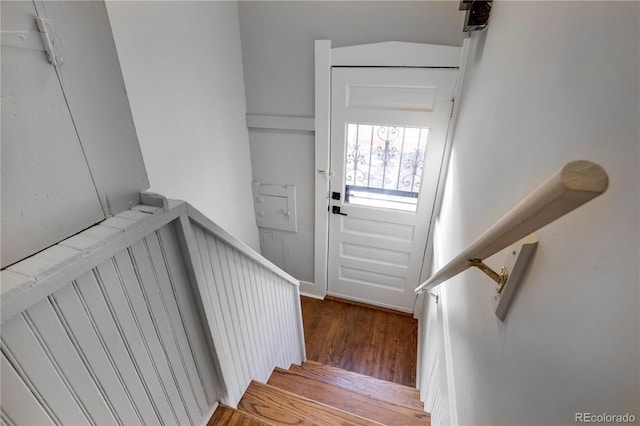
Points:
x=358, y=338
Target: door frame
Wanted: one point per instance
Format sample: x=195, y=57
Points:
x=386, y=54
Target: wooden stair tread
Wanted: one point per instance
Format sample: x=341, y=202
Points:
x=369, y=386
x=225, y=415
x=369, y=405
x=281, y=407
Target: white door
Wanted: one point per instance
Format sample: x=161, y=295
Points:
x=388, y=131
x=47, y=189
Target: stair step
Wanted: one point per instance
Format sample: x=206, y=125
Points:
x=369, y=405
x=278, y=406
x=394, y=393
x=225, y=415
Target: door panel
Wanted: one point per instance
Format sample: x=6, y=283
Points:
x=388, y=130
x=95, y=92
x=47, y=190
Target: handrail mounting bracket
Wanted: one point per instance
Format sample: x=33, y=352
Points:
x=500, y=278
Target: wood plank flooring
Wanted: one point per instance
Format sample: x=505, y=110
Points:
x=362, y=339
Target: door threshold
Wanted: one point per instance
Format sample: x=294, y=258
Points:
x=366, y=305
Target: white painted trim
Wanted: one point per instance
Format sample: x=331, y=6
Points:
x=281, y=122
x=209, y=414
x=418, y=306
x=300, y=326
x=322, y=146
x=444, y=166
x=312, y=289
x=419, y=361
x=447, y=381
x=396, y=54
x=307, y=284
x=311, y=296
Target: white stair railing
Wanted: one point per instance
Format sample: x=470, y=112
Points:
x=150, y=317
x=252, y=306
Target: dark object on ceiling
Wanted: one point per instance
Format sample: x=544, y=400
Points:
x=477, y=14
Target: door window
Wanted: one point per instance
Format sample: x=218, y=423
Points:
x=384, y=165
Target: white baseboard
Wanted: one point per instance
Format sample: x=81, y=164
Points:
x=313, y=296
x=309, y=289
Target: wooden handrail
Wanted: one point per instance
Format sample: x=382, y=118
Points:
x=569, y=188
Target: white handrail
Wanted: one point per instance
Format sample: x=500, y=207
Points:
x=569, y=188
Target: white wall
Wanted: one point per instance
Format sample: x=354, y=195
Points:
x=182, y=68
x=549, y=82
x=277, y=51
